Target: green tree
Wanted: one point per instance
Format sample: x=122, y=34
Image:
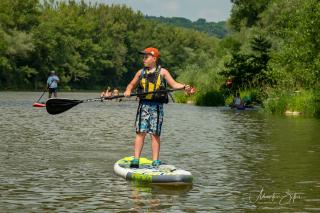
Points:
x=16, y=20
x=293, y=26
x=246, y=12
x=250, y=70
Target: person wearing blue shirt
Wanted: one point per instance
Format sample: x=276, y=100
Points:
x=52, y=83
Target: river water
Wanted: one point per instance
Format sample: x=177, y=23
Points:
x=241, y=161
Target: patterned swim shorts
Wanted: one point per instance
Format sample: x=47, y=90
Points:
x=149, y=117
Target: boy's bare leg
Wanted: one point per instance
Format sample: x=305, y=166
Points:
x=138, y=144
x=155, y=146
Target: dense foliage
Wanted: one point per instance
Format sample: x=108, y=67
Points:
x=287, y=69
x=89, y=46
x=218, y=29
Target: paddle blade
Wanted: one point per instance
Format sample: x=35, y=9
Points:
x=58, y=105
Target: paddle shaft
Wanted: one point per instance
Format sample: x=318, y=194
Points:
x=131, y=95
x=58, y=105
x=44, y=92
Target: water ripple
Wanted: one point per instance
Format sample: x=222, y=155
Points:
x=64, y=163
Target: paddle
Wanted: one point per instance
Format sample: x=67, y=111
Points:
x=41, y=96
x=45, y=90
x=58, y=105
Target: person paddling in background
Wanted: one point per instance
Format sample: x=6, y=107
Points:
x=115, y=92
x=237, y=102
x=150, y=109
x=106, y=93
x=52, y=83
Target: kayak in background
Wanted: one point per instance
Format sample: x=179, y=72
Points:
x=38, y=104
x=239, y=108
x=243, y=108
x=146, y=173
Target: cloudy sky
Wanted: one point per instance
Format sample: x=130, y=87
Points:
x=211, y=10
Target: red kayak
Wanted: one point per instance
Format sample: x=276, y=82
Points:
x=39, y=104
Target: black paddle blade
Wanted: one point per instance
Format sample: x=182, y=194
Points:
x=58, y=105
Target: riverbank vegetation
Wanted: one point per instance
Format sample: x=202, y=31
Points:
x=89, y=46
x=279, y=53
x=271, y=52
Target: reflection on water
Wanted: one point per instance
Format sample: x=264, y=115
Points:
x=241, y=161
x=155, y=198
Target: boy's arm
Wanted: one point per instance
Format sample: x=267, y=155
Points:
x=176, y=85
x=132, y=84
x=172, y=83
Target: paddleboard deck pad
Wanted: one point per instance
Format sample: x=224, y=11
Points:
x=163, y=174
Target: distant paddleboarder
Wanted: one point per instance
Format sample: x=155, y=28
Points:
x=52, y=83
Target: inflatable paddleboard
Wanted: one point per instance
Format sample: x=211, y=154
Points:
x=38, y=104
x=163, y=174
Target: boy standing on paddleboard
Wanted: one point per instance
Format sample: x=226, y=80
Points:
x=150, y=110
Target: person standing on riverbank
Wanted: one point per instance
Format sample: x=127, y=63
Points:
x=150, y=110
x=52, y=84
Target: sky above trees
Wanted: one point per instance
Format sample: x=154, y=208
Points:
x=211, y=10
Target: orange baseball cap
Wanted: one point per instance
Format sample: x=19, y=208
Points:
x=151, y=51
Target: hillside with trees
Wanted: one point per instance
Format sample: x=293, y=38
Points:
x=217, y=29
x=89, y=46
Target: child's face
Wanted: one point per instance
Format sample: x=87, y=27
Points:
x=149, y=60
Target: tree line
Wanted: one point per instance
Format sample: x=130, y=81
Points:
x=88, y=45
x=217, y=29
